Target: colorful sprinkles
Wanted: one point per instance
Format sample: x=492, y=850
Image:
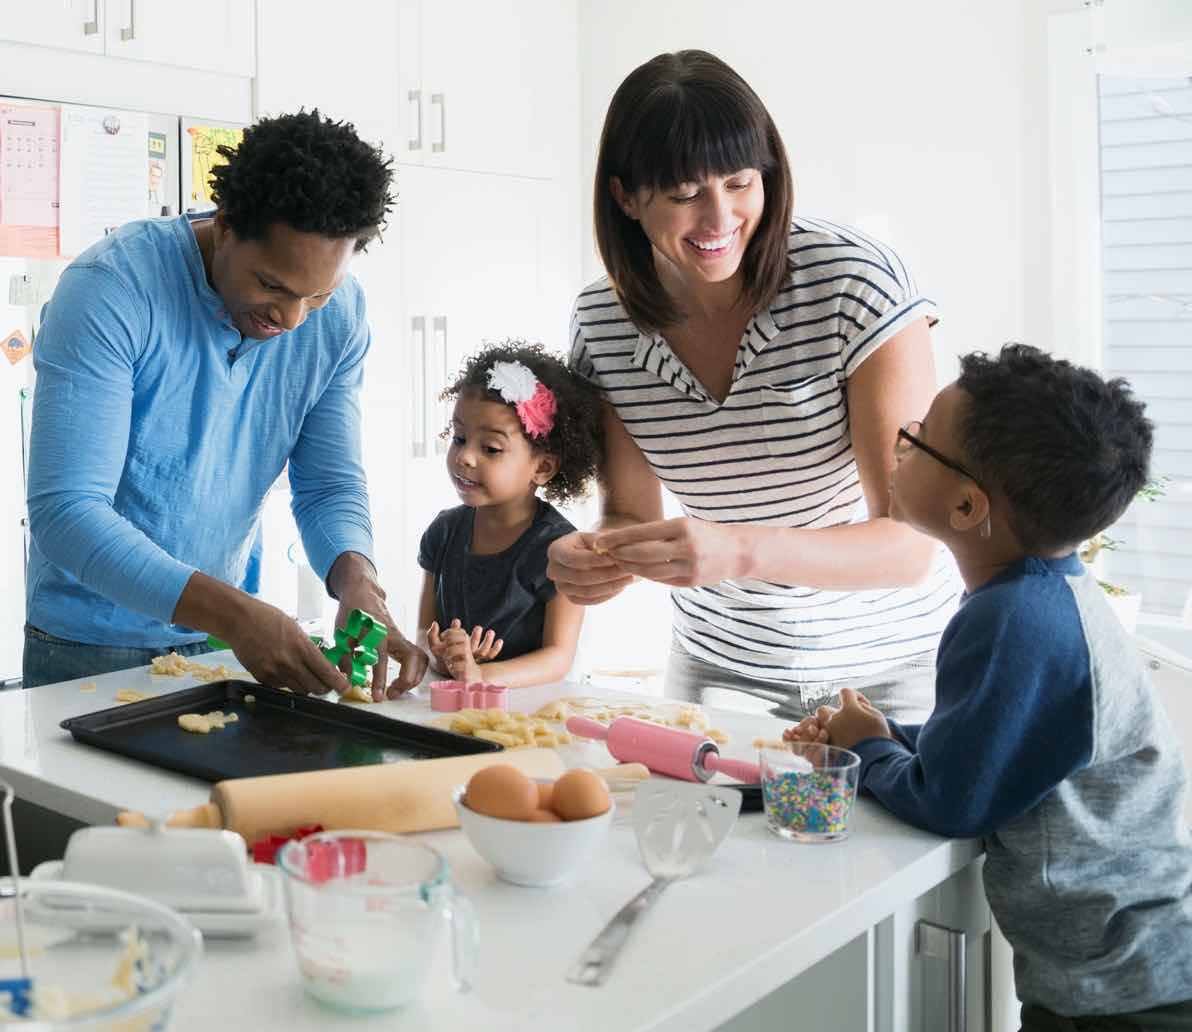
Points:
x=815, y=802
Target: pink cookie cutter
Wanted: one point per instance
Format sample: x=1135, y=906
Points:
x=448, y=696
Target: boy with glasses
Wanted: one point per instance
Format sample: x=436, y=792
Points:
x=1047, y=738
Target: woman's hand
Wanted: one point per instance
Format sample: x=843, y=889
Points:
x=581, y=574
x=683, y=552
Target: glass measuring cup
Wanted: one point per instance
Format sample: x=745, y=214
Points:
x=365, y=910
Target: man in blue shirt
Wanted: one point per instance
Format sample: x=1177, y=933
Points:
x=182, y=365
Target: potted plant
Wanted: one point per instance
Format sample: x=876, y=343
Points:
x=1122, y=601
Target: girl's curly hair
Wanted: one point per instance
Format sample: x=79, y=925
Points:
x=577, y=438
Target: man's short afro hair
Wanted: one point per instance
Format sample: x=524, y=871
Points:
x=311, y=172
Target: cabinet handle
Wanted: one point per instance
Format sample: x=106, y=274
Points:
x=130, y=32
x=441, y=100
x=421, y=389
x=91, y=28
x=414, y=97
x=932, y=940
x=440, y=331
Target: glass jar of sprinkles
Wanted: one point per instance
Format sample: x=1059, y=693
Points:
x=808, y=790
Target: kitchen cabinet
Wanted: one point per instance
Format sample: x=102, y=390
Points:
x=481, y=84
x=215, y=37
x=470, y=274
x=65, y=24
x=924, y=968
x=484, y=241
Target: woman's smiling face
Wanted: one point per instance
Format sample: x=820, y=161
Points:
x=700, y=229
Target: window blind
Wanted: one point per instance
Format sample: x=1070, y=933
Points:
x=1146, y=212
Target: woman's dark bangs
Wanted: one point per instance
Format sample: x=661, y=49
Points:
x=685, y=138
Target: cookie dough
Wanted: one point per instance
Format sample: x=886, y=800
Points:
x=205, y=723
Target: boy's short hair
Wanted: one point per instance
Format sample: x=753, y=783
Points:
x=1068, y=450
x=310, y=172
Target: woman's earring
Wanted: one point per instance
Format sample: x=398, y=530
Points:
x=986, y=528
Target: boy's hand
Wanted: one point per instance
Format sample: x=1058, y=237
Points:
x=809, y=729
x=855, y=720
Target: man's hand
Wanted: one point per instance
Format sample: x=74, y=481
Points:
x=855, y=720
x=682, y=552
x=582, y=574
x=353, y=579
x=277, y=652
x=272, y=647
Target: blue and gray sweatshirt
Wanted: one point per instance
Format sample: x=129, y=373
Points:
x=1048, y=740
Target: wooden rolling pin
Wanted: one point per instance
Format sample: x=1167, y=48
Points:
x=393, y=797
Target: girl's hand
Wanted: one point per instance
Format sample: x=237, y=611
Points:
x=580, y=573
x=434, y=642
x=856, y=720
x=683, y=552
x=485, y=644
x=457, y=654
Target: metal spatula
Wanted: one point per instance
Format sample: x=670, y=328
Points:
x=678, y=827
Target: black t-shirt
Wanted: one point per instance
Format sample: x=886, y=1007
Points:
x=506, y=592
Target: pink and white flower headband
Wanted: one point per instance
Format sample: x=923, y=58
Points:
x=533, y=401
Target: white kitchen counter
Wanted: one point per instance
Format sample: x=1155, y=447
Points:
x=759, y=914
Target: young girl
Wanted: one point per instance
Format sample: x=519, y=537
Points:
x=523, y=422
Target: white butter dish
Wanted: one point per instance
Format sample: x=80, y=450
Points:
x=202, y=873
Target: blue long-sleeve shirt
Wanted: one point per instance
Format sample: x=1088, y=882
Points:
x=1048, y=740
x=157, y=431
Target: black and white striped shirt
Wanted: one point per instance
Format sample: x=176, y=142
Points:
x=777, y=452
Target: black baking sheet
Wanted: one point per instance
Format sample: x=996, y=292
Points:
x=278, y=733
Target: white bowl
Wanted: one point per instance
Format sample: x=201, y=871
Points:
x=529, y=853
x=78, y=937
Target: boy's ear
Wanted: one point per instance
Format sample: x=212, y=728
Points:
x=627, y=202
x=972, y=511
x=545, y=469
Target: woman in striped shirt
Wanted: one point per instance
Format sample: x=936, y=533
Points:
x=758, y=366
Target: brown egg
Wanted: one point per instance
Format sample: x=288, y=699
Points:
x=502, y=791
x=544, y=817
x=546, y=789
x=579, y=794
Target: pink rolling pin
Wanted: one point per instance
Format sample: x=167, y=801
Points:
x=665, y=750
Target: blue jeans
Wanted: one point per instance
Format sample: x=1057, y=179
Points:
x=48, y=660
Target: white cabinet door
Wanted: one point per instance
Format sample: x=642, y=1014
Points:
x=413, y=143
x=216, y=36
x=470, y=273
x=918, y=981
x=306, y=59
x=492, y=76
x=66, y=24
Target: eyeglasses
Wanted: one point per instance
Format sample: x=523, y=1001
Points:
x=908, y=437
